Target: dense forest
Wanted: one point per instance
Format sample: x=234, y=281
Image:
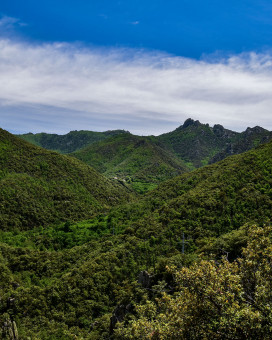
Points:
x=132, y=237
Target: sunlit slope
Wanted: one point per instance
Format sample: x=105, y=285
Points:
x=132, y=158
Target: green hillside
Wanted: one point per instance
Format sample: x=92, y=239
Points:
x=199, y=144
x=38, y=187
x=207, y=202
x=67, y=280
x=138, y=161
x=221, y=197
x=69, y=142
x=243, y=142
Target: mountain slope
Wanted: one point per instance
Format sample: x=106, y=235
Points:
x=69, y=142
x=209, y=201
x=243, y=142
x=38, y=187
x=220, y=197
x=132, y=158
x=199, y=144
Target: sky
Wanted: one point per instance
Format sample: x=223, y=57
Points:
x=142, y=66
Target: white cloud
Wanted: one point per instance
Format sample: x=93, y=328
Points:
x=8, y=23
x=67, y=87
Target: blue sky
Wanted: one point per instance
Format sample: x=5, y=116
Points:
x=144, y=66
x=189, y=28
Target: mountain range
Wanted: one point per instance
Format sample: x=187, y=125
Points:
x=143, y=162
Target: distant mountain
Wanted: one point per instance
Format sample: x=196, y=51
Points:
x=199, y=144
x=242, y=142
x=38, y=187
x=69, y=142
x=138, y=161
x=153, y=159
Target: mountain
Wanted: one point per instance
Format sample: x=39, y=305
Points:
x=139, y=161
x=38, y=187
x=199, y=144
x=220, y=197
x=69, y=142
x=243, y=142
x=192, y=145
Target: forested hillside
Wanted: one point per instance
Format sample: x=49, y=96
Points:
x=72, y=141
x=138, y=161
x=199, y=144
x=68, y=280
x=38, y=187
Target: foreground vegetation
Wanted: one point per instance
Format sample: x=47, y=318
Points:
x=218, y=300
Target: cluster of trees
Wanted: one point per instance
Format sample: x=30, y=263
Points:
x=213, y=299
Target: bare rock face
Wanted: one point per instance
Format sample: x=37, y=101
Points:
x=189, y=122
x=9, y=330
x=119, y=314
x=145, y=279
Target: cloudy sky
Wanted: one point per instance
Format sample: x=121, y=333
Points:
x=142, y=66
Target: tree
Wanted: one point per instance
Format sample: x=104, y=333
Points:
x=219, y=301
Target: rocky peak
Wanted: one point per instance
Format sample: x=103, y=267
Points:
x=218, y=130
x=256, y=129
x=221, y=132
x=190, y=122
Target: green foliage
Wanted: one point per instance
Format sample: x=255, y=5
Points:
x=219, y=301
x=142, y=188
x=62, y=236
